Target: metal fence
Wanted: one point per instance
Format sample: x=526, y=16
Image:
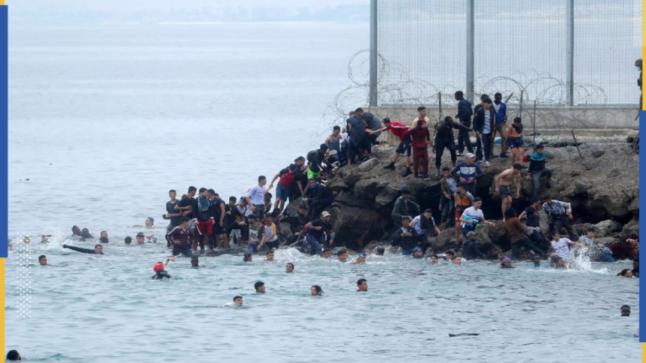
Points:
x=554, y=52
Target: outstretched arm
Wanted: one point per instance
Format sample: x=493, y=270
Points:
x=80, y=249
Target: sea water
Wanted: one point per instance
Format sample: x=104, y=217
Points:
x=104, y=120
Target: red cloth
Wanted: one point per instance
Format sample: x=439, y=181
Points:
x=399, y=129
x=286, y=179
x=420, y=137
x=206, y=227
x=420, y=159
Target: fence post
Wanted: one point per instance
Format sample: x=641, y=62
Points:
x=569, y=52
x=372, y=98
x=470, y=51
x=439, y=102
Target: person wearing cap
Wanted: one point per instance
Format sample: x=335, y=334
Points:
x=507, y=186
x=420, y=138
x=483, y=124
x=537, y=170
x=464, y=115
x=317, y=233
x=404, y=206
x=467, y=173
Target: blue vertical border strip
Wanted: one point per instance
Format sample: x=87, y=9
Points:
x=4, y=129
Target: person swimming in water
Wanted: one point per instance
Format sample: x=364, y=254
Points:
x=237, y=300
x=13, y=355
x=103, y=237
x=195, y=261
x=316, y=290
x=342, y=255
x=259, y=286
x=160, y=270
x=269, y=256
x=98, y=249
x=505, y=262
x=127, y=240
x=247, y=257
x=625, y=310
x=289, y=268
x=42, y=260
x=362, y=285
x=626, y=273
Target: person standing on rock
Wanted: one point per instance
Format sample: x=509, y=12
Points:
x=400, y=130
x=444, y=139
x=500, y=108
x=537, y=170
x=559, y=215
x=356, y=127
x=420, y=138
x=464, y=115
x=483, y=124
x=467, y=173
x=507, y=186
x=404, y=206
x=515, y=140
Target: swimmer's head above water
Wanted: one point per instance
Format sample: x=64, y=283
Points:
x=362, y=285
x=316, y=290
x=625, y=310
x=98, y=249
x=260, y=287
x=269, y=256
x=247, y=257
x=237, y=300
x=42, y=260
x=289, y=268
x=342, y=255
x=195, y=261
x=127, y=240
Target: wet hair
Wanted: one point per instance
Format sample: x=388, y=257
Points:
x=450, y=252
x=202, y=190
x=623, y=272
x=497, y=94
x=247, y=257
x=261, y=178
x=380, y=251
x=518, y=166
x=446, y=168
x=300, y=158
x=625, y=310
x=318, y=289
x=428, y=210
x=421, y=108
x=41, y=257
x=172, y=191
x=268, y=252
x=336, y=128
x=359, y=110
x=433, y=255
x=212, y=192
x=386, y=120
x=360, y=281
x=477, y=199
x=237, y=297
x=290, y=264
x=459, y=95
x=13, y=355
x=258, y=284
x=487, y=100
x=127, y=240
x=192, y=189
x=341, y=252
x=232, y=199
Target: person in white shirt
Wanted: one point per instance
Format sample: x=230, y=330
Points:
x=561, y=247
x=257, y=197
x=424, y=224
x=472, y=217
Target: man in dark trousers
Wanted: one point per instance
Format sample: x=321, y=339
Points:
x=483, y=124
x=464, y=115
x=444, y=139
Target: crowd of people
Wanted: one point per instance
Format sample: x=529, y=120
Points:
x=201, y=222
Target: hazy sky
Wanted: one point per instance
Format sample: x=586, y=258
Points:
x=57, y=12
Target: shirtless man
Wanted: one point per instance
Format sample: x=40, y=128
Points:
x=505, y=183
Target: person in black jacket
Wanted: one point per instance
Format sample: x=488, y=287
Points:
x=483, y=124
x=97, y=250
x=444, y=139
x=464, y=115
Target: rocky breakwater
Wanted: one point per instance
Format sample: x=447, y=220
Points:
x=600, y=180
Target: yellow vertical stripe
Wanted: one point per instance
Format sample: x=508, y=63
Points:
x=2, y=307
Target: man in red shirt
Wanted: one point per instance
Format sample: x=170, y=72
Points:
x=400, y=130
x=420, y=139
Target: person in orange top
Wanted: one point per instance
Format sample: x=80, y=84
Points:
x=463, y=200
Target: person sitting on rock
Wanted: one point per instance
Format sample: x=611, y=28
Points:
x=507, y=186
x=472, y=217
x=424, y=224
x=462, y=200
x=467, y=173
x=537, y=170
x=596, y=251
x=406, y=237
x=516, y=232
x=559, y=215
x=400, y=130
x=404, y=206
